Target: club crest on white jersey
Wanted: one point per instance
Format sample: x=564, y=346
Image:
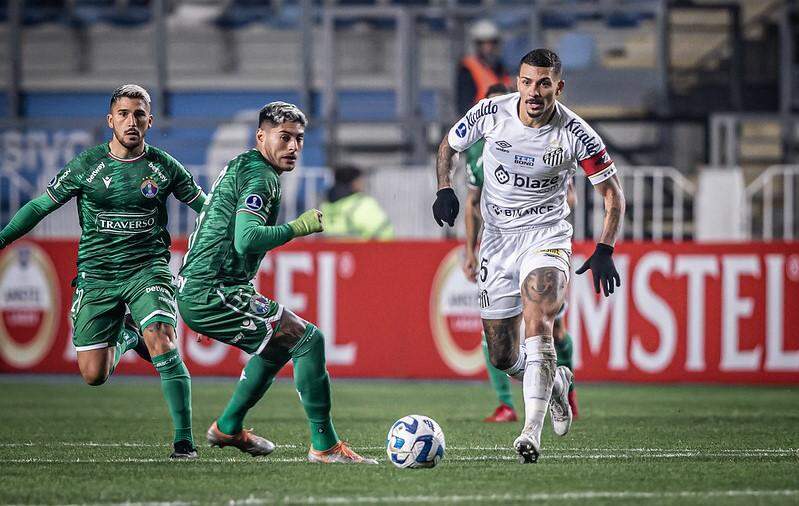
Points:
x=527, y=170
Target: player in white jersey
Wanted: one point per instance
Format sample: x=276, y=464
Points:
x=533, y=145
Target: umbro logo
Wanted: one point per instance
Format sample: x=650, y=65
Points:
x=248, y=325
x=504, y=144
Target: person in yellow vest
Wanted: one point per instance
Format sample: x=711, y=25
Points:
x=350, y=213
x=479, y=71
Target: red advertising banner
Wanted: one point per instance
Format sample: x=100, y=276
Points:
x=685, y=312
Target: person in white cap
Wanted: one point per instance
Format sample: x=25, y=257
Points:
x=479, y=71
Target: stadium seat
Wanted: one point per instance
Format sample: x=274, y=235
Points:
x=131, y=13
x=43, y=11
x=622, y=20
x=553, y=20
x=577, y=50
x=87, y=12
x=240, y=13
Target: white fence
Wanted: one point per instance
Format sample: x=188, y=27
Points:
x=659, y=203
x=771, y=209
x=657, y=198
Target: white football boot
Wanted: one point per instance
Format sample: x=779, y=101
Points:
x=527, y=447
x=559, y=409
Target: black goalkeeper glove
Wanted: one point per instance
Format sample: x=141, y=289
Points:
x=602, y=268
x=445, y=208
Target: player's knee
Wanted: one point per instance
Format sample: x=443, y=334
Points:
x=312, y=342
x=160, y=338
x=94, y=376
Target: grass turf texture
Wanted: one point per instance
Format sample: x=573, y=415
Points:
x=66, y=443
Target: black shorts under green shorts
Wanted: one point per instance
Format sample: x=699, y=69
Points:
x=98, y=304
x=236, y=315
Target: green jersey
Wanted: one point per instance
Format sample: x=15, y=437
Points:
x=248, y=184
x=122, y=206
x=474, y=164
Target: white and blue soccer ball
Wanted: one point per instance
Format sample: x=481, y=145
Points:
x=415, y=441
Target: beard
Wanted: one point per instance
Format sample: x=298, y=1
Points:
x=133, y=144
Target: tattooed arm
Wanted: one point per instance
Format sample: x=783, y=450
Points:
x=444, y=164
x=445, y=208
x=611, y=192
x=601, y=262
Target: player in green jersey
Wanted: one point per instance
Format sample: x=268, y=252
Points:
x=216, y=298
x=123, y=255
x=500, y=381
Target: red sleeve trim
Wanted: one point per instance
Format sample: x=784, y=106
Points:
x=596, y=163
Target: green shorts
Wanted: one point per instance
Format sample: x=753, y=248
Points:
x=98, y=305
x=236, y=315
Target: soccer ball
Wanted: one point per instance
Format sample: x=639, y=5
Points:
x=415, y=441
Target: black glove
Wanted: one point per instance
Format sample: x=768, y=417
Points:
x=601, y=265
x=445, y=208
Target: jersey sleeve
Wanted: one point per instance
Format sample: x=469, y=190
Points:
x=256, y=192
x=66, y=184
x=184, y=187
x=590, y=152
x=473, y=125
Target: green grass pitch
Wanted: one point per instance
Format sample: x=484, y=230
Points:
x=66, y=443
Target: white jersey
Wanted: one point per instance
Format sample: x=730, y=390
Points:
x=526, y=170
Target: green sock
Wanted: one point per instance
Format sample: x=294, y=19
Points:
x=565, y=352
x=499, y=379
x=255, y=379
x=176, y=385
x=313, y=385
x=127, y=340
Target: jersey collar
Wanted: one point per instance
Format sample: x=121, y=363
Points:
x=127, y=160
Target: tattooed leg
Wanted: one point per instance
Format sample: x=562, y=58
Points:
x=504, y=351
x=543, y=292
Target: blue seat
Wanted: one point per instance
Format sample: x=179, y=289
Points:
x=240, y=13
x=622, y=20
x=577, y=50
x=137, y=12
x=36, y=12
x=552, y=20
x=87, y=12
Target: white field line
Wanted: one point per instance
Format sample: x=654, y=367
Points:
x=553, y=456
x=92, y=444
x=587, y=495
x=500, y=498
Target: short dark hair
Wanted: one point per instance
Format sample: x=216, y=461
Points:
x=276, y=113
x=129, y=91
x=542, y=57
x=496, y=89
x=346, y=174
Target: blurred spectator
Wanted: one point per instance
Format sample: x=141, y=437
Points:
x=350, y=212
x=478, y=71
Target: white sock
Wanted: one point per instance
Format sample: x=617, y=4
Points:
x=539, y=379
x=516, y=371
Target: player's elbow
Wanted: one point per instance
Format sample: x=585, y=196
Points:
x=242, y=245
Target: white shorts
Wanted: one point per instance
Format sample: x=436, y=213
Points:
x=507, y=258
